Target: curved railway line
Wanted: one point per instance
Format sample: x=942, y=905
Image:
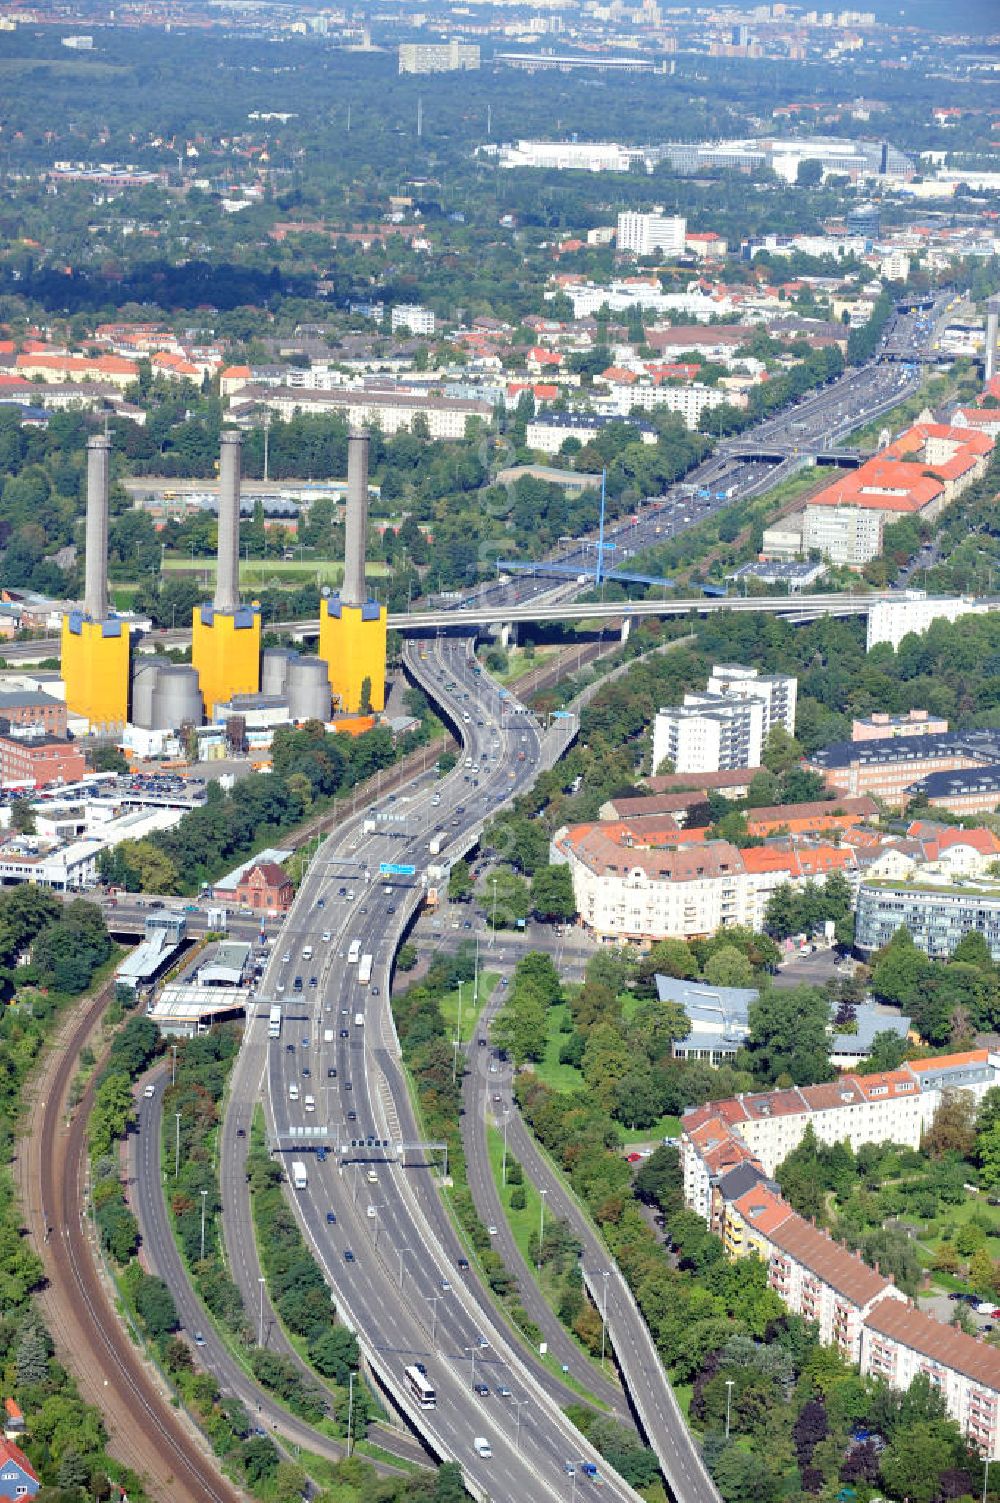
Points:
x=145, y=1431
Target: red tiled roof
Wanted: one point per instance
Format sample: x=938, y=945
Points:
x=944, y=1344
x=273, y=874
x=10, y=1452
x=762, y=1209
x=829, y=1261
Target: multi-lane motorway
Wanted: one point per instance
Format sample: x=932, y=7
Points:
x=402, y=1287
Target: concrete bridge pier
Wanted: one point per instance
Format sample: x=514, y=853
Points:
x=627, y=624
x=508, y=634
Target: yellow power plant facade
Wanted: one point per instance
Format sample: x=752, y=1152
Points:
x=352, y=641
x=95, y=669
x=225, y=651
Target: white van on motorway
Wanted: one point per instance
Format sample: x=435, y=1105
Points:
x=483, y=1447
x=293, y=1093
x=328, y=1035
x=310, y=1103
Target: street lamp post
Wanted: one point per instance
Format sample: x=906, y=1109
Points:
x=493, y=929
x=177, y=1144
x=517, y=1434
x=204, y=1197
x=401, y=1251
x=729, y=1404
x=260, y=1313
x=350, y=1411
x=472, y=1351
x=432, y=1299
x=506, y=1119
x=986, y=1477
x=605, y=1275
x=541, y=1225
x=173, y=1067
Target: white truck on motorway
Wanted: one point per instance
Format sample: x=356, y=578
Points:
x=299, y=1177
x=359, y=1020
x=437, y=842
x=365, y=969
x=354, y=952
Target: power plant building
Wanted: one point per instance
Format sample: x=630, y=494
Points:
x=225, y=636
x=352, y=626
x=95, y=642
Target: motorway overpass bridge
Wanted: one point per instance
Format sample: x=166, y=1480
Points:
x=503, y=617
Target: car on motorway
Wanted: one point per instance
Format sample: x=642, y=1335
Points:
x=286, y=959
x=504, y=1392
x=463, y=1263
x=199, y=1339
x=306, y=1071
x=492, y=1231
x=331, y=1073
x=344, y=1033
x=326, y=935
x=445, y=1286
x=348, y=1255
x=241, y=1132
x=421, y=1369
x=569, y=1469
x=348, y=1086
x=352, y=1116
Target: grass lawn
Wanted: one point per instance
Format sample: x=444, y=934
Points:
x=524, y=1225
x=520, y=664
x=667, y=1127
x=556, y=1076
x=568, y=1078
x=449, y=1005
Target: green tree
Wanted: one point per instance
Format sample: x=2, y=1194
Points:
x=728, y=967
x=460, y=885
x=552, y=894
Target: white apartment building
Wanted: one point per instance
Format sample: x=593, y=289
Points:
x=898, y=1342
x=447, y=417
x=777, y=691
x=850, y=535
x=652, y=234
x=438, y=57
x=412, y=318
x=729, y=1152
x=690, y=401
x=709, y=733
x=913, y=611
x=550, y=432
x=654, y=892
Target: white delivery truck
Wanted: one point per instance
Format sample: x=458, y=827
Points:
x=359, y=1020
x=307, y=953
x=365, y=969
x=299, y=1177
x=328, y=1035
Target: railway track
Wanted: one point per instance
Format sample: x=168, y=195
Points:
x=146, y=1433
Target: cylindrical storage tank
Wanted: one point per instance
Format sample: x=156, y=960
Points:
x=176, y=698
x=143, y=690
x=274, y=669
x=308, y=690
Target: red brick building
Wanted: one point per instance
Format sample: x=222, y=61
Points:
x=266, y=888
x=38, y=761
x=34, y=707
